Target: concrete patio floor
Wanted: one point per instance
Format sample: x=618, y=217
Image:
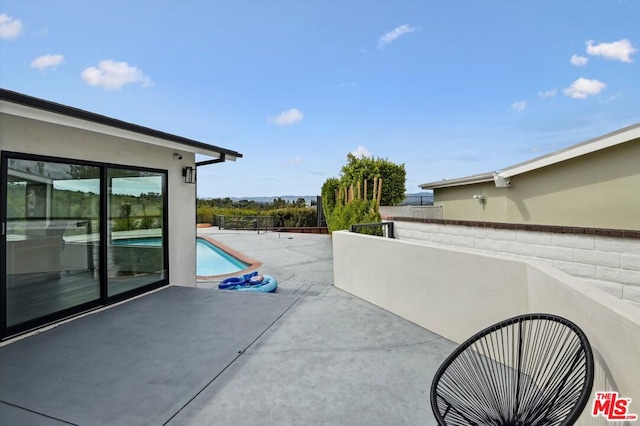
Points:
x=310, y=354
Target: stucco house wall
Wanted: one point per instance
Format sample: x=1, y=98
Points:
x=30, y=136
x=457, y=202
x=597, y=190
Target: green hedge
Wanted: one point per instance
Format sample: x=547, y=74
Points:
x=282, y=218
x=357, y=211
x=207, y=214
x=290, y=217
x=328, y=192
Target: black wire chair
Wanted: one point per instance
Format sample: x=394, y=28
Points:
x=533, y=369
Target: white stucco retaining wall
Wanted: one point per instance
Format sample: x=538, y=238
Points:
x=611, y=264
x=457, y=292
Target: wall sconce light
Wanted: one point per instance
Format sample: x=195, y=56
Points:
x=480, y=198
x=189, y=174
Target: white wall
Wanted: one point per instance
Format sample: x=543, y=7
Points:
x=611, y=264
x=420, y=212
x=457, y=292
x=36, y=137
x=612, y=326
x=385, y=274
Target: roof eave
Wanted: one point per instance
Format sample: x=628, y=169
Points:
x=467, y=180
x=79, y=114
x=501, y=178
x=592, y=145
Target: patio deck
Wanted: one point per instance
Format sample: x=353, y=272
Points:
x=310, y=354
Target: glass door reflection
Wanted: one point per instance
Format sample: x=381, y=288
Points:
x=52, y=238
x=136, y=250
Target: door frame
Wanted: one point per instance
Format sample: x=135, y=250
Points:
x=103, y=300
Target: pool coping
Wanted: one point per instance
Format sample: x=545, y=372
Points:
x=253, y=264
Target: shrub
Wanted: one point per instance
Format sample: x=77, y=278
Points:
x=291, y=217
x=367, y=168
x=328, y=193
x=356, y=208
x=356, y=211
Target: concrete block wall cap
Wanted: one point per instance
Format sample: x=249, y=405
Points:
x=622, y=307
x=626, y=234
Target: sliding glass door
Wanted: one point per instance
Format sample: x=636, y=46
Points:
x=135, y=230
x=77, y=236
x=52, y=209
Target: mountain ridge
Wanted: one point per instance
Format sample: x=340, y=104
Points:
x=427, y=196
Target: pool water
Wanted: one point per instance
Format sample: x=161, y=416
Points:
x=210, y=260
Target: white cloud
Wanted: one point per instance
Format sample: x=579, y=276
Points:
x=46, y=61
x=583, y=88
x=394, y=34
x=360, y=152
x=579, y=61
x=287, y=118
x=113, y=75
x=620, y=50
x=296, y=160
x=519, y=106
x=9, y=27
x=548, y=94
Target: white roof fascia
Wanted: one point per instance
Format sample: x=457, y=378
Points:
x=11, y=108
x=602, y=142
x=501, y=178
x=467, y=180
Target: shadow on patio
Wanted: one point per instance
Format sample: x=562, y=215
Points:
x=311, y=354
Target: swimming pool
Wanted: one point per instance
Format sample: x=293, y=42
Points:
x=210, y=260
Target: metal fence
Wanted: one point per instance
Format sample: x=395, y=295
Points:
x=418, y=200
x=418, y=212
x=382, y=229
x=246, y=223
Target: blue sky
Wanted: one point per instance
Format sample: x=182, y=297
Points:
x=449, y=88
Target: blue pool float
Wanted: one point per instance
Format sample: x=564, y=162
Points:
x=250, y=282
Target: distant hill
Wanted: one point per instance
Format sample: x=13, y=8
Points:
x=424, y=197
x=289, y=198
x=418, y=198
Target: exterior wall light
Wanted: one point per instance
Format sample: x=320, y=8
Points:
x=480, y=198
x=189, y=174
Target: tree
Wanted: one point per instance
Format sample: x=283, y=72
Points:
x=328, y=193
x=125, y=210
x=279, y=203
x=367, y=168
x=361, y=207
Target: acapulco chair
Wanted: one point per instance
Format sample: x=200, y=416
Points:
x=530, y=370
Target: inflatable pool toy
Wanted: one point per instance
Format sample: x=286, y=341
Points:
x=250, y=282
